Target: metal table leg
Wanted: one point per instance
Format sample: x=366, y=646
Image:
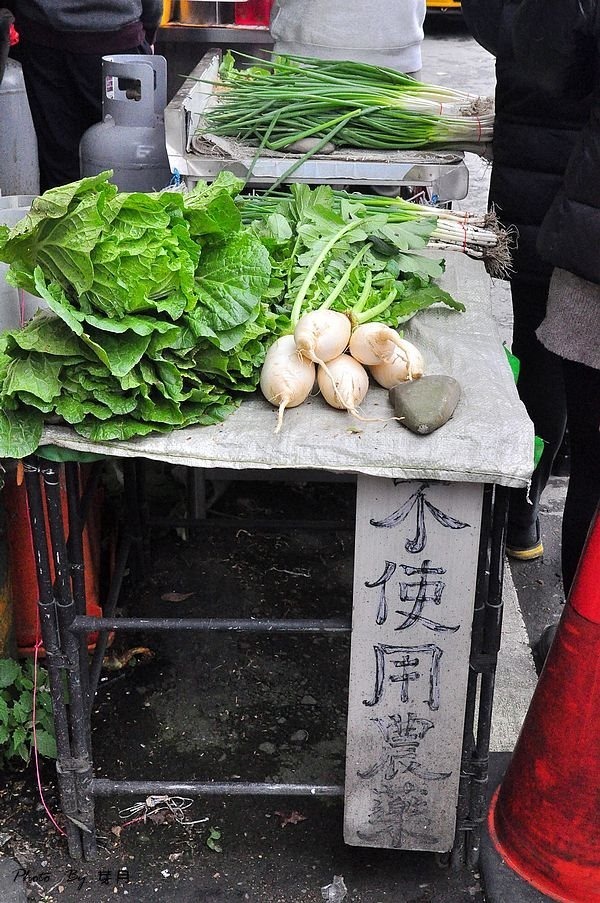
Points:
x=69, y=581
x=487, y=628
x=55, y=660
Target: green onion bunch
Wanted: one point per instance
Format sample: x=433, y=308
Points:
x=349, y=104
x=477, y=235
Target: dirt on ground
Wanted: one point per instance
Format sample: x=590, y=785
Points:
x=225, y=707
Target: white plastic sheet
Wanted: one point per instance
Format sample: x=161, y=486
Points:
x=488, y=440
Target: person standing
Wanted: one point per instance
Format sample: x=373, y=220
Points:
x=381, y=32
x=6, y=20
x=557, y=43
x=385, y=33
x=535, y=132
x=61, y=48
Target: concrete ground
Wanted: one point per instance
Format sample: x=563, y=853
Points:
x=261, y=861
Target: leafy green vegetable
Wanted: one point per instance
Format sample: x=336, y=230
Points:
x=230, y=283
x=156, y=313
x=162, y=306
x=20, y=431
x=17, y=712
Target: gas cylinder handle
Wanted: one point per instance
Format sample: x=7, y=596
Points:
x=135, y=88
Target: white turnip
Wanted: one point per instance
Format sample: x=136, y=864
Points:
x=406, y=364
x=344, y=383
x=322, y=335
x=287, y=377
x=375, y=343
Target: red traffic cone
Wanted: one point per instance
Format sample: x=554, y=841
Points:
x=21, y=563
x=545, y=818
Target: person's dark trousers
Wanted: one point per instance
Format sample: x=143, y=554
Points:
x=583, y=494
x=541, y=389
x=64, y=91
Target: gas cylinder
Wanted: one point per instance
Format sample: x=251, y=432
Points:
x=131, y=138
x=19, y=171
x=16, y=305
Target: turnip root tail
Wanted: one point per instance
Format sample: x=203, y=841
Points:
x=280, y=413
x=409, y=354
x=356, y=413
x=327, y=371
x=401, y=344
x=374, y=344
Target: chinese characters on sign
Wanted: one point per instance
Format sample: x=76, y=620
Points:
x=414, y=586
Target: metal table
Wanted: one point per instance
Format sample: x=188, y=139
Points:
x=427, y=601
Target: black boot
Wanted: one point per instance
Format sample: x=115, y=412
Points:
x=524, y=544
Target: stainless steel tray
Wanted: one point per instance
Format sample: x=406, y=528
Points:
x=196, y=157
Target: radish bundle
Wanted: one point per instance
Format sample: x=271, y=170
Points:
x=343, y=280
x=347, y=104
x=332, y=255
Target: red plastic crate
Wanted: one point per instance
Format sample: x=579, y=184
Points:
x=253, y=12
x=22, y=568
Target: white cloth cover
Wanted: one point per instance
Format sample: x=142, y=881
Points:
x=488, y=440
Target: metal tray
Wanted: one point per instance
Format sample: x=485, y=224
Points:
x=194, y=157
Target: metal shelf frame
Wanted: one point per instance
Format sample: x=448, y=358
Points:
x=181, y=33
x=74, y=677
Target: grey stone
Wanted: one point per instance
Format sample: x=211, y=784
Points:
x=269, y=748
x=425, y=404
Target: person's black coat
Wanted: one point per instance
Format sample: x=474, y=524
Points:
x=534, y=134
x=557, y=42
